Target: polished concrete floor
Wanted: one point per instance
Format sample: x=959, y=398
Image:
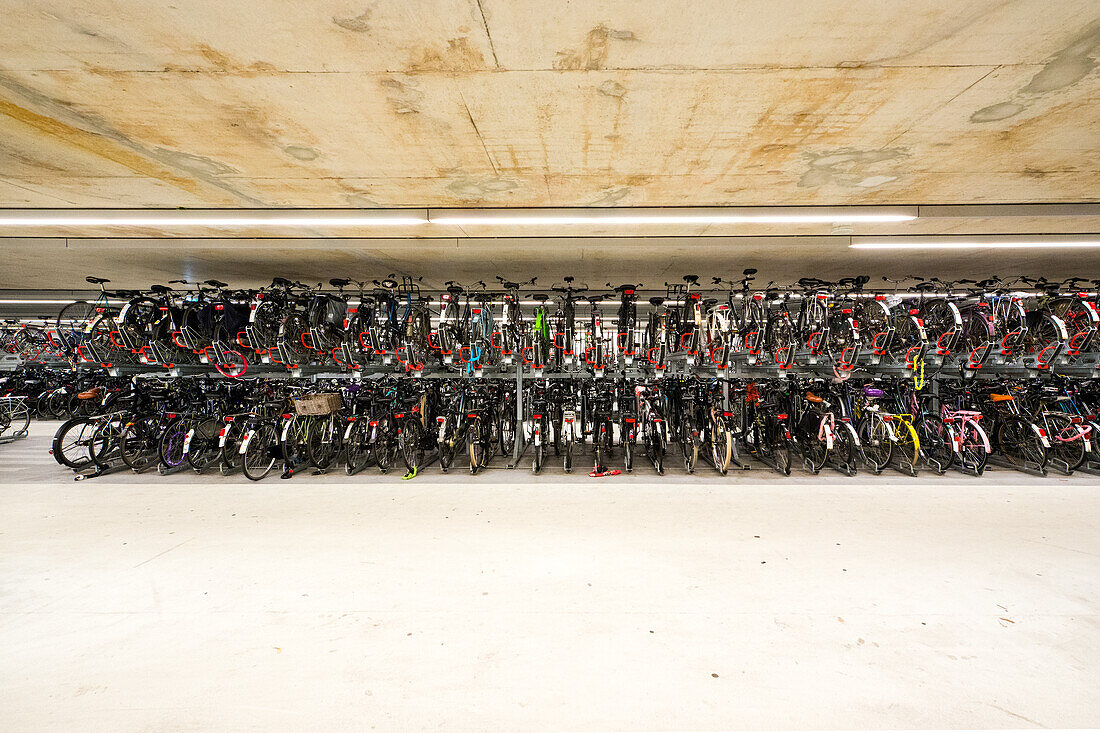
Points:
x=507, y=601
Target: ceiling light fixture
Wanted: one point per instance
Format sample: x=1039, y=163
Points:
x=991, y=242
x=211, y=218
x=642, y=216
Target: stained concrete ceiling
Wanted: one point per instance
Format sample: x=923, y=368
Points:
x=380, y=103
x=518, y=103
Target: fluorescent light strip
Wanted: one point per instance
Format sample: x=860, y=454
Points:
x=354, y=218
x=137, y=221
x=1037, y=245
x=670, y=219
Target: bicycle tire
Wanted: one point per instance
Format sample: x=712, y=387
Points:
x=203, y=449
x=75, y=453
x=876, y=447
x=411, y=440
x=259, y=456
x=1019, y=444
x=1066, y=442
x=138, y=443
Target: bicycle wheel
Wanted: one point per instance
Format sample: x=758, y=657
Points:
x=844, y=447
x=1020, y=445
x=567, y=453
x=170, y=445
x=104, y=446
x=358, y=453
x=628, y=453
x=385, y=444
x=259, y=454
x=293, y=439
x=474, y=446
x=973, y=453
x=815, y=451
x=72, y=443
x=876, y=447
x=656, y=450
x=689, y=445
x=538, y=453
x=1066, y=441
x=18, y=417
x=138, y=443
x=507, y=429
x=779, y=446
x=202, y=448
x=937, y=443
x=602, y=448
x=411, y=439
x=908, y=445
x=71, y=322
x=229, y=452
x=324, y=443
x=721, y=447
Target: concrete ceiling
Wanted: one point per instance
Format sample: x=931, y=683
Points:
x=383, y=103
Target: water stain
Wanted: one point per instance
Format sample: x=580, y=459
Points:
x=215, y=58
x=301, y=152
x=611, y=88
x=999, y=111
x=475, y=188
x=197, y=162
x=214, y=61
x=407, y=99
x=459, y=55
x=610, y=196
x=850, y=167
x=1067, y=67
x=359, y=24
x=360, y=201
x=111, y=145
x=592, y=52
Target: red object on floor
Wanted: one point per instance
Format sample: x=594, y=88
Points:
x=613, y=472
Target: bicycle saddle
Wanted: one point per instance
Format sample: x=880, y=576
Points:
x=454, y=289
x=692, y=279
x=811, y=397
x=657, y=302
x=216, y=283
x=999, y=397
x=97, y=280
x=280, y=282
x=127, y=294
x=540, y=297
x=160, y=289
x=710, y=302
x=339, y=282
x=924, y=287
x=873, y=392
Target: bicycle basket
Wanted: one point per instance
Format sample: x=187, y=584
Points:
x=317, y=404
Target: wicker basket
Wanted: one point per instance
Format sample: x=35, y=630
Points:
x=317, y=404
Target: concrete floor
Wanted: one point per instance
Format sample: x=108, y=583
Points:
x=515, y=602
